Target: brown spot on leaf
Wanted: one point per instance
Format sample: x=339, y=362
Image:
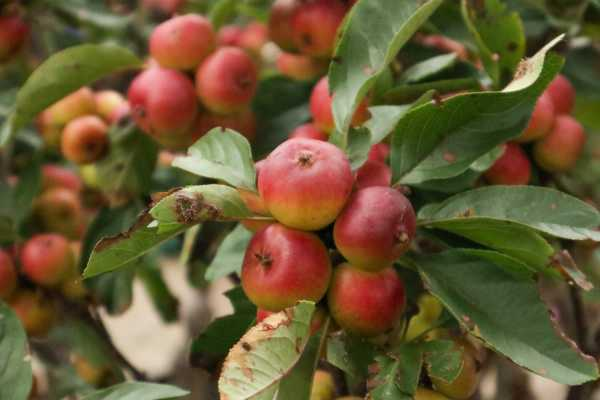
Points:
x=246, y=346
x=191, y=208
x=449, y=156
x=143, y=220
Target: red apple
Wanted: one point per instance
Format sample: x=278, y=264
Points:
x=54, y=176
x=300, y=67
x=280, y=23
x=13, y=33
x=229, y=35
x=541, y=120
x=59, y=210
x=562, y=147
x=85, y=140
x=47, y=259
x=254, y=36
x=512, y=168
x=8, y=275
x=373, y=173
x=36, y=312
x=379, y=152
x=315, y=24
x=108, y=104
x=562, y=93
x=308, y=131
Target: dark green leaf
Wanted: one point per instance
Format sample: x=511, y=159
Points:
x=506, y=312
x=398, y=376
x=28, y=187
x=437, y=141
x=137, y=391
x=373, y=33
x=61, y=74
x=221, y=154
x=443, y=359
x=351, y=354
x=230, y=255
x=15, y=363
x=429, y=68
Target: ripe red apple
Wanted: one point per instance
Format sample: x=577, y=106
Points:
x=254, y=36
x=379, y=152
x=512, y=168
x=47, y=259
x=8, y=275
x=308, y=131
x=300, y=67
x=109, y=103
x=280, y=23
x=54, y=176
x=465, y=385
x=373, y=173
x=305, y=183
x=59, y=210
x=321, y=111
x=13, y=33
x=226, y=81
x=315, y=24
x=243, y=122
x=541, y=120
x=182, y=42
x=164, y=104
x=255, y=203
x=282, y=266
x=36, y=312
x=229, y=35
x=562, y=147
x=562, y=93
x=365, y=303
x=376, y=226
x=85, y=140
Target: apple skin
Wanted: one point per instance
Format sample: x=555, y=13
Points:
x=308, y=131
x=55, y=176
x=282, y=266
x=465, y=385
x=318, y=181
x=8, y=275
x=562, y=93
x=13, y=34
x=512, y=168
x=541, y=120
x=280, y=26
x=227, y=80
x=323, y=386
x=47, y=259
x=182, y=42
x=109, y=103
x=315, y=25
x=164, y=105
x=300, y=67
x=365, y=303
x=59, y=210
x=36, y=312
x=229, y=35
x=373, y=173
x=321, y=108
x=375, y=228
x=562, y=147
x=85, y=140
x=379, y=152
x=254, y=36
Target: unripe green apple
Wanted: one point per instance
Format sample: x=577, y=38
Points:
x=281, y=30
x=305, y=183
x=376, y=227
x=59, y=210
x=323, y=387
x=562, y=147
x=47, y=259
x=465, y=385
x=300, y=67
x=373, y=173
x=8, y=275
x=13, y=33
x=85, y=140
x=164, y=104
x=282, y=266
x=426, y=394
x=308, y=131
x=512, y=168
x=182, y=42
x=54, y=176
x=541, y=120
x=315, y=24
x=109, y=105
x=36, y=312
x=562, y=93
x=226, y=81
x=365, y=303
x=321, y=108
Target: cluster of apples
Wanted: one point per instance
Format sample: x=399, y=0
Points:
x=557, y=138
x=13, y=34
x=78, y=124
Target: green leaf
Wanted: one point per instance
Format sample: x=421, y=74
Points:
x=230, y=255
x=543, y=209
x=221, y=154
x=443, y=359
x=429, y=68
x=61, y=74
x=28, y=187
x=351, y=354
x=224, y=332
x=506, y=312
x=373, y=33
x=359, y=144
x=221, y=12
x=264, y=356
x=499, y=35
x=398, y=376
x=383, y=120
x=137, y=391
x=437, y=141
x=194, y=204
x=15, y=363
